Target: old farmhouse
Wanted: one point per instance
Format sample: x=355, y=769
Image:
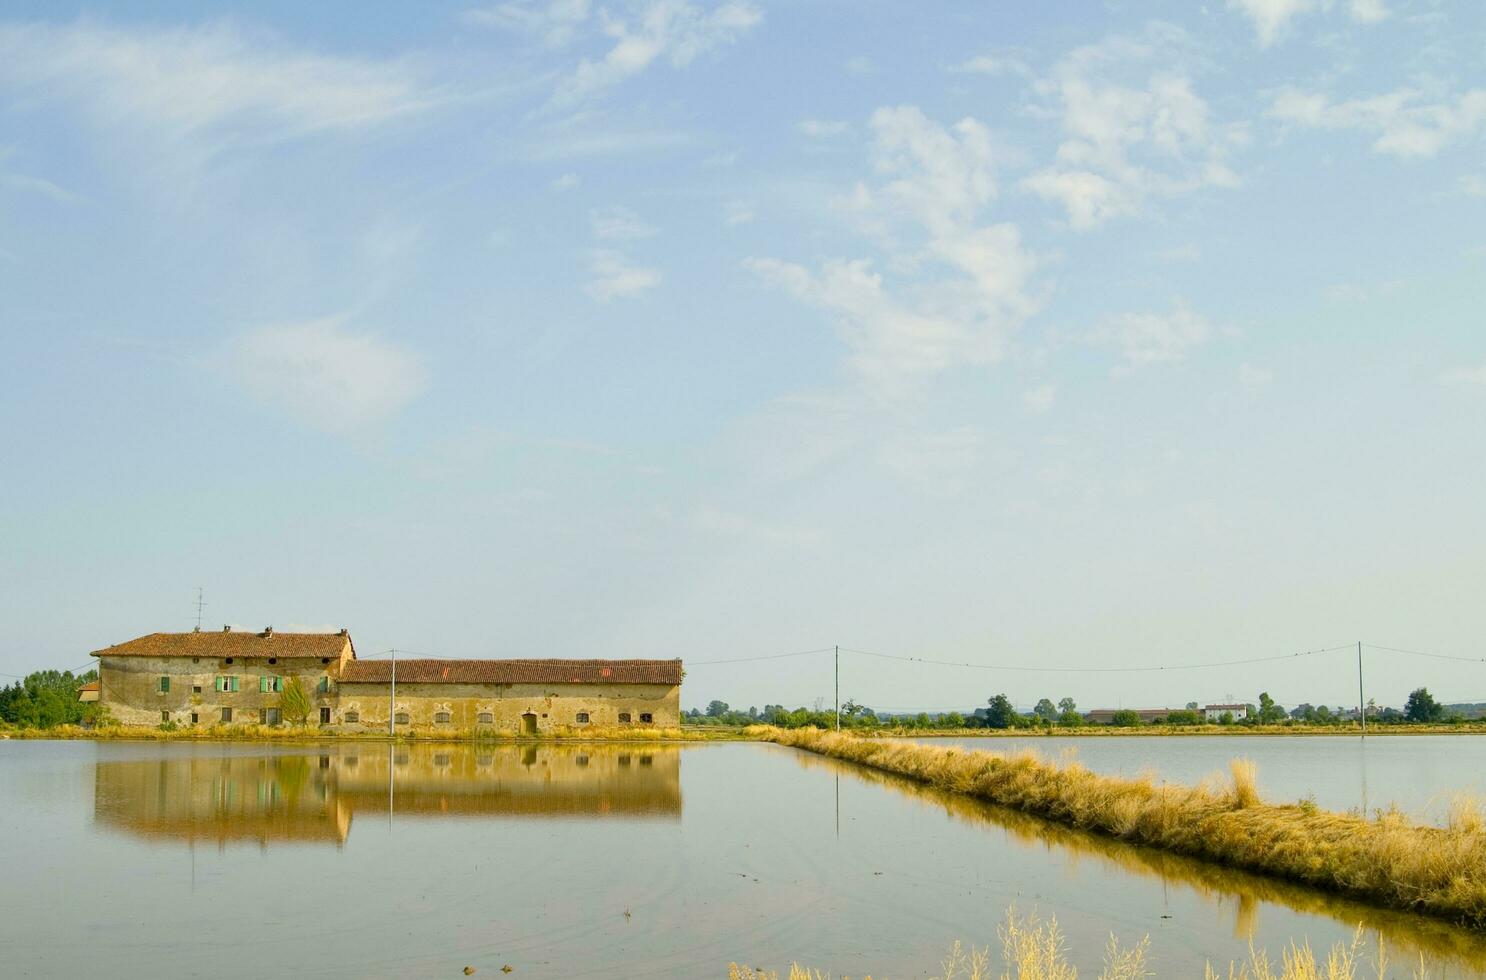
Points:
x=238, y=677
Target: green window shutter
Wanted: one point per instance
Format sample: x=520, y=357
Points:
x=263, y=685
x=164, y=685
x=217, y=684
x=234, y=685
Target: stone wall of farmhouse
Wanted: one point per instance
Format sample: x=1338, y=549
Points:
x=130, y=687
x=502, y=706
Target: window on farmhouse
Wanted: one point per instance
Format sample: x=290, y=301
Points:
x=485, y=718
x=195, y=688
x=324, y=685
x=164, y=716
x=624, y=717
x=353, y=717
x=227, y=684
x=646, y=717
x=268, y=716
x=194, y=718
x=226, y=714
x=324, y=716
x=164, y=685
x=441, y=718
x=582, y=717
x=401, y=718
x=270, y=685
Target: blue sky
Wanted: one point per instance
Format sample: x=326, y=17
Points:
x=1112, y=334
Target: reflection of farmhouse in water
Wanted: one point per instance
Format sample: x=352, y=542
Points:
x=313, y=798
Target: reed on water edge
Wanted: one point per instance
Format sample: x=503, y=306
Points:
x=1387, y=859
x=1034, y=950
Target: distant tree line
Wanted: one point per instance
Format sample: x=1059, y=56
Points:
x=1000, y=713
x=47, y=698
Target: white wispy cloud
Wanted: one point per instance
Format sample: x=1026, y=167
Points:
x=965, y=283
x=994, y=64
x=614, y=276
x=937, y=462
x=38, y=185
x=739, y=213
x=1134, y=128
x=616, y=224
x=1469, y=376
x=1252, y=376
x=555, y=22
x=1154, y=338
x=565, y=182
x=674, y=31
x=1040, y=400
x=731, y=524
x=211, y=81
x=822, y=128
x=324, y=374
x=1369, y=11
x=1404, y=122
x=1271, y=18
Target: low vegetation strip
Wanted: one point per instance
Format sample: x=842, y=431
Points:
x=1389, y=860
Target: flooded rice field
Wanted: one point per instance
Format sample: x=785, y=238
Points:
x=1417, y=773
x=128, y=860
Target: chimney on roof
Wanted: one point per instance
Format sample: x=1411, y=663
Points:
x=226, y=628
x=267, y=632
x=344, y=631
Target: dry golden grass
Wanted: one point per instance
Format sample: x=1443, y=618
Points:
x=1034, y=950
x=1439, y=871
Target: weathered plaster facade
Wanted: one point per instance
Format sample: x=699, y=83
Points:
x=534, y=708
x=236, y=677
x=231, y=677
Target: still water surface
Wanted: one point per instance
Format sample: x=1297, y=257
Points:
x=366, y=860
x=1418, y=773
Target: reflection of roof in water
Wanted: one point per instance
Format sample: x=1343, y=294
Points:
x=313, y=798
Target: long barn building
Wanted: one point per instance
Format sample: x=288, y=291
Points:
x=238, y=677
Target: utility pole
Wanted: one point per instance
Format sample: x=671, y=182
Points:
x=838, y=688
x=1361, y=704
x=392, y=700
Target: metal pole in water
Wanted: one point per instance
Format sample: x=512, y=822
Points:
x=838, y=688
x=1361, y=704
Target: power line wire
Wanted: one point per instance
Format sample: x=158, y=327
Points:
x=745, y=660
x=1421, y=653
x=1100, y=670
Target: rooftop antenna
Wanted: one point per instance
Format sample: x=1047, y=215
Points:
x=200, y=605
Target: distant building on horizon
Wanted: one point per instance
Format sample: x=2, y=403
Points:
x=1105, y=716
x=238, y=677
x=1215, y=712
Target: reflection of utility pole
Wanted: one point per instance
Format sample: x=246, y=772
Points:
x=392, y=699
x=391, y=770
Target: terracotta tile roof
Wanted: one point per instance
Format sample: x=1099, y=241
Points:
x=237, y=643
x=514, y=672
x=90, y=686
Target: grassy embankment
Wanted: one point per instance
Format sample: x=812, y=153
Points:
x=1388, y=860
x=1033, y=950
x=294, y=733
x=1161, y=731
